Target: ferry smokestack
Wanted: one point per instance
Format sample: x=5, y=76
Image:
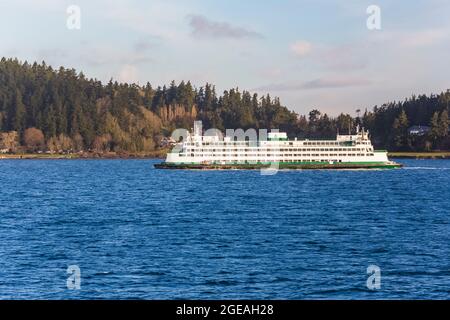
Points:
x=198, y=128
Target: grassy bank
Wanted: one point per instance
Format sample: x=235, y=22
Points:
x=87, y=155
x=420, y=155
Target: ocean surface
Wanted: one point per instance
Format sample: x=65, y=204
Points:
x=140, y=233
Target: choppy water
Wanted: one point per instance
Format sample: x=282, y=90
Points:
x=138, y=232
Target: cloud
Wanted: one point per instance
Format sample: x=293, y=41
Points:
x=333, y=57
x=336, y=83
x=128, y=73
x=202, y=27
x=159, y=20
x=270, y=72
x=425, y=38
x=144, y=45
x=344, y=57
x=412, y=38
x=301, y=48
x=321, y=83
x=104, y=55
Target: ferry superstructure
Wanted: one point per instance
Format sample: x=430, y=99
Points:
x=200, y=151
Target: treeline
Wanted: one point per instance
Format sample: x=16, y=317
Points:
x=60, y=110
x=389, y=123
x=43, y=109
x=392, y=126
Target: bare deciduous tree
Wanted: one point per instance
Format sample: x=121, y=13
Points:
x=33, y=139
x=9, y=141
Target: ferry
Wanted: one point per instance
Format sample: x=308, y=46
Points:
x=215, y=151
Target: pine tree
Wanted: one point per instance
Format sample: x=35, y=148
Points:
x=18, y=113
x=50, y=122
x=442, y=126
x=434, y=127
x=400, y=131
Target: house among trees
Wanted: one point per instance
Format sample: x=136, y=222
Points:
x=418, y=130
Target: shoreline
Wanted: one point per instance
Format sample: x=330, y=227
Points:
x=161, y=154
x=87, y=156
x=419, y=155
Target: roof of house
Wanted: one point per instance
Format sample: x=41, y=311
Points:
x=418, y=128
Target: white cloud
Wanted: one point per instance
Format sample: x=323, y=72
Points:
x=301, y=48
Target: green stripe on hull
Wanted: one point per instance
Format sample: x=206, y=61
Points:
x=282, y=165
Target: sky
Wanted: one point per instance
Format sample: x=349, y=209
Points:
x=310, y=53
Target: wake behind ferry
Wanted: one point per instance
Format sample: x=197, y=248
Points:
x=198, y=151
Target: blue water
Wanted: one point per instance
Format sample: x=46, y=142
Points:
x=140, y=233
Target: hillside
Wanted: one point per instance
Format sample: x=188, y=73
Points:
x=43, y=109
